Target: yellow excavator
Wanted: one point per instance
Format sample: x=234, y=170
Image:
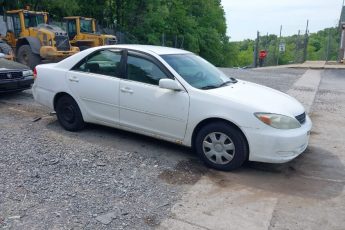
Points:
x=82, y=33
x=33, y=40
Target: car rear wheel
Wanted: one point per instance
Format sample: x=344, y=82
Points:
x=221, y=146
x=68, y=114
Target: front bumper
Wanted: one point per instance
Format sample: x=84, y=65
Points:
x=7, y=86
x=277, y=146
x=49, y=52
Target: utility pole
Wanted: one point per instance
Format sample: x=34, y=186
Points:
x=280, y=37
x=297, y=47
x=266, y=44
x=256, y=50
x=328, y=44
x=306, y=42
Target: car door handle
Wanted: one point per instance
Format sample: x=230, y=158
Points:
x=73, y=78
x=126, y=90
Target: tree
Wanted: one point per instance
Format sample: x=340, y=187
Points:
x=195, y=25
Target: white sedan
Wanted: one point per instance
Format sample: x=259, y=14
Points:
x=177, y=96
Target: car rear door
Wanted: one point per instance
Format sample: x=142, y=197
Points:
x=95, y=83
x=147, y=107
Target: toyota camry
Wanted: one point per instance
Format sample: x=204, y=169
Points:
x=174, y=95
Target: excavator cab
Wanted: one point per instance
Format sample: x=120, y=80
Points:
x=19, y=21
x=78, y=25
x=83, y=34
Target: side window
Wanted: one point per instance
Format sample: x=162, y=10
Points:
x=16, y=25
x=143, y=70
x=30, y=20
x=105, y=62
x=71, y=30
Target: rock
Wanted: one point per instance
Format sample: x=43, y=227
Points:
x=36, y=119
x=106, y=218
x=54, y=161
x=163, y=205
x=13, y=217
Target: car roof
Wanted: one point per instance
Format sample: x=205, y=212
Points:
x=159, y=50
x=156, y=50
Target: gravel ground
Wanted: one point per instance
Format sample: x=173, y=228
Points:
x=53, y=179
x=99, y=178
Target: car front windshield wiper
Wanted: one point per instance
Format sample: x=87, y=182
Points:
x=233, y=81
x=225, y=83
x=209, y=87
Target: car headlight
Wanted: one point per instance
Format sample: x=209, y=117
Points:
x=278, y=121
x=27, y=73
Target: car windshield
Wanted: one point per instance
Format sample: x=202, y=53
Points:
x=86, y=26
x=197, y=72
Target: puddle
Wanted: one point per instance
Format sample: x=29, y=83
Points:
x=185, y=172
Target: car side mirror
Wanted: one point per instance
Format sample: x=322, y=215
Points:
x=170, y=84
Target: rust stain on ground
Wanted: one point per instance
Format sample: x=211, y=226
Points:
x=185, y=172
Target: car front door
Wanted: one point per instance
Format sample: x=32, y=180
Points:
x=95, y=83
x=145, y=106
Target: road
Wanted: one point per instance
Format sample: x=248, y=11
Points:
x=103, y=178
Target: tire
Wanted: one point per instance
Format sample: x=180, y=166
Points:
x=27, y=57
x=221, y=146
x=68, y=114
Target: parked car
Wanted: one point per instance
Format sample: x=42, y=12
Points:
x=14, y=77
x=177, y=96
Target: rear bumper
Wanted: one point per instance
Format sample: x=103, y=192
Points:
x=43, y=96
x=277, y=146
x=16, y=85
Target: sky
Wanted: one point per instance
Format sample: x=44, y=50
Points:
x=245, y=17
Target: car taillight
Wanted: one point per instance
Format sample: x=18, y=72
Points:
x=35, y=73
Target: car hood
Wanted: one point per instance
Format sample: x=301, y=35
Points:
x=11, y=65
x=259, y=98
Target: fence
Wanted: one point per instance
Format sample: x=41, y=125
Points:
x=323, y=45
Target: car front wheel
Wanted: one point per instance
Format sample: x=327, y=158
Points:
x=221, y=146
x=68, y=114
